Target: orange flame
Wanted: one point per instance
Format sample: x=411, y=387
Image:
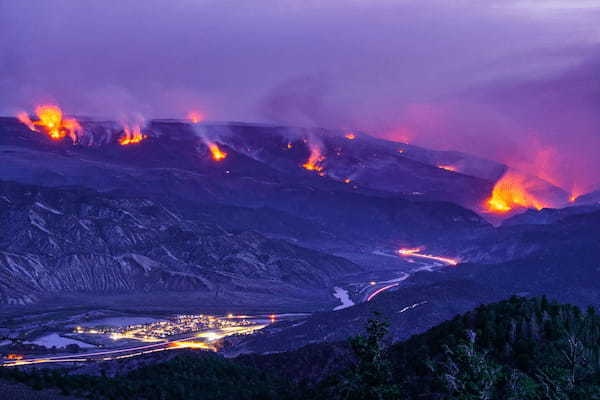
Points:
x=513, y=190
x=448, y=167
x=350, y=136
x=51, y=121
x=131, y=135
x=347, y=180
x=195, y=117
x=416, y=252
x=314, y=160
x=289, y=145
x=216, y=153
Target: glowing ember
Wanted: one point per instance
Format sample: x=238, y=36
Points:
x=448, y=167
x=350, y=136
x=131, y=135
x=513, y=190
x=216, y=153
x=314, y=160
x=51, y=121
x=195, y=117
x=416, y=252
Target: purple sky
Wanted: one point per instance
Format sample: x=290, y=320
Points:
x=496, y=77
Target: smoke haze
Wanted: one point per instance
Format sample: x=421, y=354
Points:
x=512, y=80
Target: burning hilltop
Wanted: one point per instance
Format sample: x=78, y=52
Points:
x=131, y=135
x=516, y=190
x=51, y=121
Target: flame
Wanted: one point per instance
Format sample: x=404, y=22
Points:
x=448, y=167
x=51, y=121
x=216, y=153
x=513, y=190
x=350, y=136
x=195, y=117
x=347, y=180
x=131, y=135
x=289, y=145
x=314, y=160
x=416, y=252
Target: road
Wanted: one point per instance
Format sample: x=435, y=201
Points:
x=376, y=288
x=102, y=355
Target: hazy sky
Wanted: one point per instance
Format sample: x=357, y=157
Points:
x=494, y=77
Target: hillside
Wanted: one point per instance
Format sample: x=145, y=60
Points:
x=67, y=243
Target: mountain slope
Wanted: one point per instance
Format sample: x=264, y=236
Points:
x=73, y=240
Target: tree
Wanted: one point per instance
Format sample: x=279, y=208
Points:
x=467, y=373
x=371, y=377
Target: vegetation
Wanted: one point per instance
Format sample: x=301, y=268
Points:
x=515, y=349
x=518, y=349
x=184, y=377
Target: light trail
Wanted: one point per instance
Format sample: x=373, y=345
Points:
x=380, y=290
x=416, y=252
x=409, y=252
x=88, y=356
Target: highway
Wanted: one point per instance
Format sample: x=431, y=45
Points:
x=376, y=288
x=102, y=355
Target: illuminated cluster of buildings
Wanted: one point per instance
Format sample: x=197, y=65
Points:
x=178, y=325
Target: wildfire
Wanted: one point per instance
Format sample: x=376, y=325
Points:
x=195, y=117
x=448, y=167
x=216, y=153
x=416, y=252
x=314, y=160
x=51, y=121
x=131, y=135
x=513, y=190
x=350, y=136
